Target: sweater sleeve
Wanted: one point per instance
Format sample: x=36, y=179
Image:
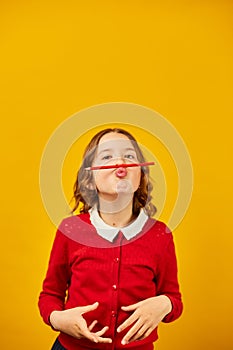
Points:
x=53, y=294
x=167, y=280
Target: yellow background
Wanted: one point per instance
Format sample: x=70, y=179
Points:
x=172, y=56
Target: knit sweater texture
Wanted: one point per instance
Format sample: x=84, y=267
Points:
x=85, y=268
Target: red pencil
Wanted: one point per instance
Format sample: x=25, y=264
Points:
x=100, y=167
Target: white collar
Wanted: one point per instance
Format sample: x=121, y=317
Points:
x=108, y=232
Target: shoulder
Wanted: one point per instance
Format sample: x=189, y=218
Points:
x=74, y=223
x=158, y=228
x=76, y=227
x=157, y=233
x=158, y=237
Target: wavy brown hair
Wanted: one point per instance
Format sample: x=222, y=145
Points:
x=84, y=189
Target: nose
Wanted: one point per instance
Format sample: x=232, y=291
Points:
x=119, y=160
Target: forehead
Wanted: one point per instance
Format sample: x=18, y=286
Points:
x=115, y=140
x=113, y=136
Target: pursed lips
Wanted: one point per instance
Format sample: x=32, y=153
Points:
x=121, y=172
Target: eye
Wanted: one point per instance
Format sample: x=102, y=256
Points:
x=106, y=157
x=130, y=156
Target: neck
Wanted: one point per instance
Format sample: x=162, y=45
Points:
x=118, y=219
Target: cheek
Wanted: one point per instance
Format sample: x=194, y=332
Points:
x=100, y=179
x=97, y=181
x=136, y=180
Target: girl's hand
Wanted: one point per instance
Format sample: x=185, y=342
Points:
x=71, y=322
x=146, y=317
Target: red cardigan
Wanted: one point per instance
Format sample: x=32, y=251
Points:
x=92, y=269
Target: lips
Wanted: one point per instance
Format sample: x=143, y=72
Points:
x=121, y=172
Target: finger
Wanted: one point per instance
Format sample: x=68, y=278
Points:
x=131, y=332
x=140, y=333
x=131, y=307
x=88, y=308
x=147, y=333
x=85, y=331
x=102, y=331
x=94, y=337
x=92, y=325
x=131, y=319
x=104, y=340
x=91, y=336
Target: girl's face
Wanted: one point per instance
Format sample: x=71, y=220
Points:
x=115, y=148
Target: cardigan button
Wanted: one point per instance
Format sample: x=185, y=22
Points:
x=114, y=287
x=113, y=314
x=116, y=260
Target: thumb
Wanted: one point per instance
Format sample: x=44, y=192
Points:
x=131, y=307
x=87, y=308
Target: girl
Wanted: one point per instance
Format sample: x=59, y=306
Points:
x=112, y=275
